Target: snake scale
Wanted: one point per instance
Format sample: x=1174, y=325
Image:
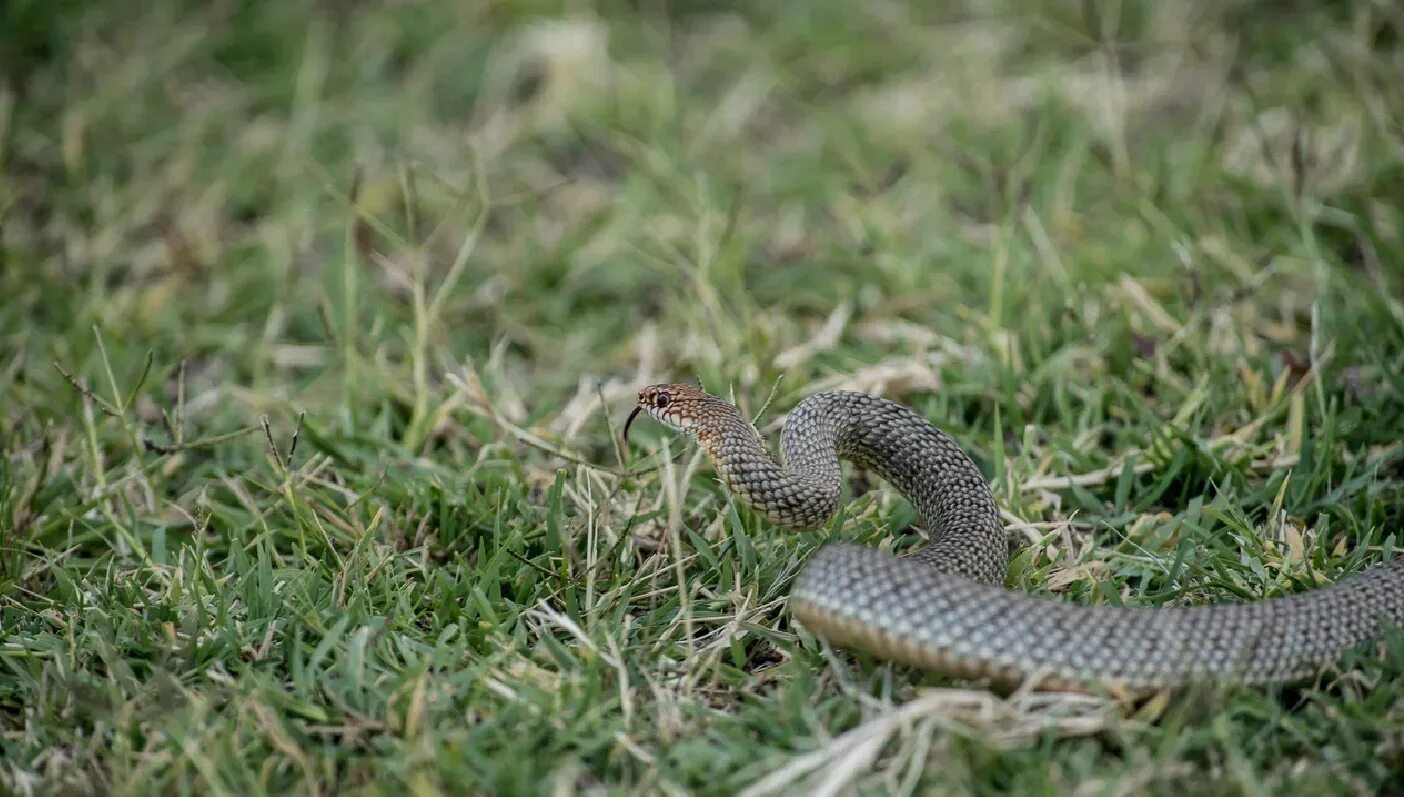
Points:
x=944, y=608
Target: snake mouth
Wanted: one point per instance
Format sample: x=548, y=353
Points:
x=632, y=416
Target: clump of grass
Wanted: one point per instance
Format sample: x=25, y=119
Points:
x=319, y=323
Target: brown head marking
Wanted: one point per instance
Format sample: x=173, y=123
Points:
x=679, y=407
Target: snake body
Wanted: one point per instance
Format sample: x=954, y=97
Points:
x=944, y=608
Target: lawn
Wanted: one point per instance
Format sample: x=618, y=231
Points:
x=319, y=322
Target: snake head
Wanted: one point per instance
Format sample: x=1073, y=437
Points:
x=682, y=408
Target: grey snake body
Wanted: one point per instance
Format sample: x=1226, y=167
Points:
x=944, y=607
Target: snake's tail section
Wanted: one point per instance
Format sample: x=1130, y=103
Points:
x=902, y=609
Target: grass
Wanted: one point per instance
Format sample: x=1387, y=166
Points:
x=319, y=321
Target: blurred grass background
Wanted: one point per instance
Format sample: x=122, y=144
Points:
x=318, y=321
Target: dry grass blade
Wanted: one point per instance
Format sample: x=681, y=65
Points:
x=1017, y=721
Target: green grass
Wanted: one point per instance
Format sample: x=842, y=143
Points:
x=354, y=298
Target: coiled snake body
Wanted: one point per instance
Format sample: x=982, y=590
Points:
x=944, y=608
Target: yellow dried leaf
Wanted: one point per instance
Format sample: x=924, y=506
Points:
x=1296, y=551
x=1152, y=709
x=1086, y=571
x=1296, y=421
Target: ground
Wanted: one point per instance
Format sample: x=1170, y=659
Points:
x=319, y=321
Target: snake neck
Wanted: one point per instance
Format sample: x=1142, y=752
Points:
x=922, y=462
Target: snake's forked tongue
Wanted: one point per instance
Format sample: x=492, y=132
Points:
x=632, y=416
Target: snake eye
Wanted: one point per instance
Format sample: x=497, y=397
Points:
x=662, y=400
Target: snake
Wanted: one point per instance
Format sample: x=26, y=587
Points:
x=944, y=607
